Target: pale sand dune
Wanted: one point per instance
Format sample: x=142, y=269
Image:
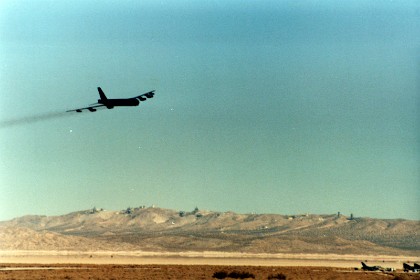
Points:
x=200, y=258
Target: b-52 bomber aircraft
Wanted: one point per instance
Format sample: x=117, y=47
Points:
x=111, y=103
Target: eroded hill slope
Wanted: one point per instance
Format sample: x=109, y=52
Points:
x=169, y=230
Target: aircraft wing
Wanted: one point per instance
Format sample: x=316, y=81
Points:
x=90, y=108
x=146, y=95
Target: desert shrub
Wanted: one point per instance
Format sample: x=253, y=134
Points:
x=233, y=274
x=278, y=276
x=400, y=277
x=241, y=275
x=220, y=274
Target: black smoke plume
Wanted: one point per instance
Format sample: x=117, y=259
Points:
x=32, y=119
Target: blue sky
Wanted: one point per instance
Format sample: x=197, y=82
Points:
x=270, y=107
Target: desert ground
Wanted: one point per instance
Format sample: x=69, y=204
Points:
x=155, y=243
x=162, y=271
x=199, y=258
x=127, y=265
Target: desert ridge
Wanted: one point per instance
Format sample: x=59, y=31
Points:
x=152, y=229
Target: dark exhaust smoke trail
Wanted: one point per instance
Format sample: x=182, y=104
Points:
x=32, y=119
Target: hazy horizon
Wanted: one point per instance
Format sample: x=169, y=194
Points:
x=276, y=107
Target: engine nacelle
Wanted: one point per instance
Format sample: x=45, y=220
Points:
x=92, y=109
x=110, y=107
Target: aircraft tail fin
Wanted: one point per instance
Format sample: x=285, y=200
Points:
x=363, y=264
x=102, y=94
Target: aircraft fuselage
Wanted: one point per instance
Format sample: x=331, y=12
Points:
x=110, y=103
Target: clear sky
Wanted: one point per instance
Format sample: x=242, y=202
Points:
x=261, y=106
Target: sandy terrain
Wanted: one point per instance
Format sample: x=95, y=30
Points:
x=166, y=230
x=163, y=244
x=200, y=258
x=191, y=265
x=157, y=272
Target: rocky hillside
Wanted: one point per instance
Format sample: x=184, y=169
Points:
x=159, y=229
